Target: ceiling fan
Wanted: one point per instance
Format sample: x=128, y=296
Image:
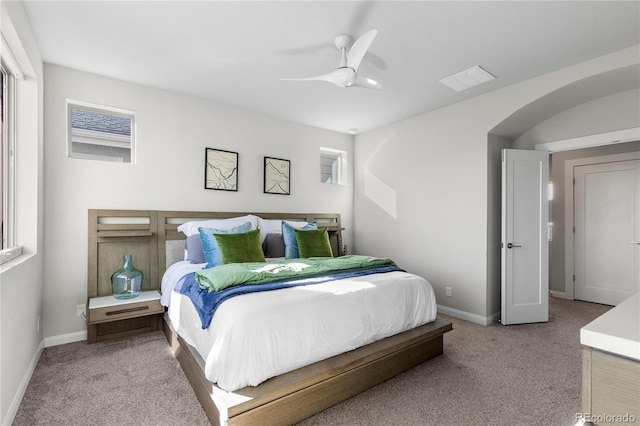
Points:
x=346, y=75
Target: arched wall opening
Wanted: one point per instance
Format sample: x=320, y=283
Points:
x=603, y=104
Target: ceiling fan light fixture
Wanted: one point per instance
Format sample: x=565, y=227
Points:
x=466, y=79
x=366, y=83
x=344, y=77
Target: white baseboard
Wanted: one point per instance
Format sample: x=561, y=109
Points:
x=78, y=336
x=22, y=388
x=560, y=294
x=467, y=316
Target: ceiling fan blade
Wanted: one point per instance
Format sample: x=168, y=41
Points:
x=375, y=60
x=366, y=83
x=359, y=49
x=340, y=77
x=304, y=50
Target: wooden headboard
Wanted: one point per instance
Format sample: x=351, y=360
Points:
x=151, y=236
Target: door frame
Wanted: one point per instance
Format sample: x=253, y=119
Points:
x=569, y=206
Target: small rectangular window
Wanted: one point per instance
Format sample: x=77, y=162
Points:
x=333, y=166
x=100, y=133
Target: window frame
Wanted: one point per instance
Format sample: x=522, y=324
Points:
x=9, y=249
x=338, y=174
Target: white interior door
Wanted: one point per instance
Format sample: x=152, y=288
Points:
x=607, y=231
x=525, y=258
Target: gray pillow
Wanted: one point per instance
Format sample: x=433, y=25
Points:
x=273, y=245
x=193, y=245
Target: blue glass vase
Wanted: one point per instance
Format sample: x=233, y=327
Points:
x=126, y=282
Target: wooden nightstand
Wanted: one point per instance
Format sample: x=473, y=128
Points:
x=107, y=309
x=112, y=235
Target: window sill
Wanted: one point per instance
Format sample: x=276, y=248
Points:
x=10, y=254
x=15, y=263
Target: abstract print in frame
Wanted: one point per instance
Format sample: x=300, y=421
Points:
x=220, y=170
x=276, y=176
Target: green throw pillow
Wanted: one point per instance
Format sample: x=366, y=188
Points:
x=241, y=247
x=313, y=243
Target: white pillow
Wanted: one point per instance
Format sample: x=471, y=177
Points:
x=191, y=228
x=297, y=224
x=268, y=226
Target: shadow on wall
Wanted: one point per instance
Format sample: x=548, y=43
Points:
x=382, y=194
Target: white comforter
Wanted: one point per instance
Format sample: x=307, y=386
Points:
x=257, y=336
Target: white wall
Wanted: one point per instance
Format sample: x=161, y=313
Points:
x=606, y=114
x=437, y=165
x=172, y=132
x=21, y=279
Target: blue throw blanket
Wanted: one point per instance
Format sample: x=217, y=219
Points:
x=206, y=303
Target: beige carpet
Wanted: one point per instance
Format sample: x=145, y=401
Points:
x=495, y=375
x=136, y=381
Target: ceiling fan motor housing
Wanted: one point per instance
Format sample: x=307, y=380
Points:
x=343, y=42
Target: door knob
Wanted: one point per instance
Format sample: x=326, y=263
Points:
x=511, y=245
x=634, y=242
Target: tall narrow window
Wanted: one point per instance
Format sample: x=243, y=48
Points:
x=100, y=133
x=9, y=72
x=3, y=168
x=333, y=166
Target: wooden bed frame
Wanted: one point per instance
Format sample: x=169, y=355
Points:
x=297, y=395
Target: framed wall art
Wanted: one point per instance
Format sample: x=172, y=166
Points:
x=220, y=170
x=277, y=175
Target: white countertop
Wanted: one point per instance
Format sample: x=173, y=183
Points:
x=108, y=301
x=617, y=331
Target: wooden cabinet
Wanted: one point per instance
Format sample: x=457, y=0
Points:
x=107, y=309
x=611, y=366
x=610, y=388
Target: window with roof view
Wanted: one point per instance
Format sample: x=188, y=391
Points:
x=100, y=133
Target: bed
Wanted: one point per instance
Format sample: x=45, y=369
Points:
x=271, y=357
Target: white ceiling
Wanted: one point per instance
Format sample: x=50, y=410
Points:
x=236, y=52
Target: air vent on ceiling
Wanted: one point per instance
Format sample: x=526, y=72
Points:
x=468, y=78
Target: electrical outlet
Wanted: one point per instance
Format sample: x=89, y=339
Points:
x=80, y=310
x=448, y=291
